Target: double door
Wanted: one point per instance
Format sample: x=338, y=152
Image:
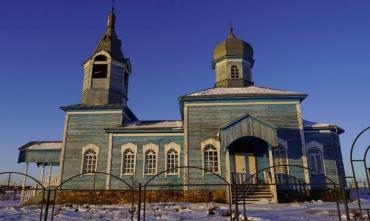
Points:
x=245, y=166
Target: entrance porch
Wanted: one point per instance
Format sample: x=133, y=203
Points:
x=248, y=142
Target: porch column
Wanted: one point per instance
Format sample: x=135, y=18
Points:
x=227, y=160
x=42, y=173
x=24, y=180
x=272, y=171
x=50, y=172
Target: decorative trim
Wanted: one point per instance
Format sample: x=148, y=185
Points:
x=316, y=145
x=147, y=134
x=177, y=148
x=93, y=147
x=124, y=147
x=155, y=148
x=186, y=147
x=240, y=103
x=95, y=112
x=102, y=52
x=304, y=154
x=216, y=144
x=62, y=153
x=313, y=144
x=109, y=161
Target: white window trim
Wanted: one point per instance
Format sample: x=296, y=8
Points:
x=155, y=148
x=93, y=147
x=177, y=148
x=216, y=144
x=124, y=147
x=314, y=144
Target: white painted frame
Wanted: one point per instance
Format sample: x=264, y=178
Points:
x=93, y=147
x=133, y=148
x=155, y=148
x=314, y=144
x=217, y=145
x=177, y=148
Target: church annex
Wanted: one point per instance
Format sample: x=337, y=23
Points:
x=233, y=129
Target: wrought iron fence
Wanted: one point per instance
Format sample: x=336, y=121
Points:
x=12, y=190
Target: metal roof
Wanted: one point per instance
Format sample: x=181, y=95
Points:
x=250, y=91
x=40, y=152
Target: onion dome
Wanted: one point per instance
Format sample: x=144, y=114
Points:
x=233, y=47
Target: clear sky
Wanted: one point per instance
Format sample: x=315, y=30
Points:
x=318, y=47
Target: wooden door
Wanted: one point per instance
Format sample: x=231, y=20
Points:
x=251, y=163
x=245, y=166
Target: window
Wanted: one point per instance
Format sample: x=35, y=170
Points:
x=128, y=162
x=172, y=161
x=90, y=158
x=279, y=156
x=234, y=72
x=150, y=162
x=315, y=160
x=210, y=158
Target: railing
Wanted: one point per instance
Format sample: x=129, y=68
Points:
x=47, y=181
x=240, y=178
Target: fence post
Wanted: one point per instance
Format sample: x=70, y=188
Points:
x=47, y=205
x=139, y=204
x=344, y=194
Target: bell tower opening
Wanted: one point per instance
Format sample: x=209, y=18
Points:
x=107, y=71
x=100, y=67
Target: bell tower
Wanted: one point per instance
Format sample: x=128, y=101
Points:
x=107, y=71
x=233, y=62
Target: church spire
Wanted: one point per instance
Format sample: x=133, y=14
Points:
x=107, y=70
x=109, y=42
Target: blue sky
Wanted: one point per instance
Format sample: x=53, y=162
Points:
x=318, y=47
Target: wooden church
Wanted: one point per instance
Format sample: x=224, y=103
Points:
x=233, y=130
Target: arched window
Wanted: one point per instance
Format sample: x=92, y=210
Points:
x=150, y=162
x=279, y=156
x=211, y=158
x=128, y=162
x=234, y=72
x=172, y=161
x=90, y=158
x=315, y=160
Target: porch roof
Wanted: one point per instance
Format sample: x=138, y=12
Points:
x=40, y=152
x=247, y=125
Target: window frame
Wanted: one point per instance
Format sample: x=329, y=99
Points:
x=318, y=154
x=314, y=144
x=85, y=148
x=234, y=72
x=215, y=143
x=124, y=148
x=176, y=147
x=155, y=148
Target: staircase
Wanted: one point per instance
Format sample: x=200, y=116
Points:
x=34, y=194
x=256, y=193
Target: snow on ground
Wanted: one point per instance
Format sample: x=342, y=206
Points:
x=316, y=210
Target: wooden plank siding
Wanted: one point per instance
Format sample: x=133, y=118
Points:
x=333, y=161
x=139, y=177
x=204, y=122
x=87, y=127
